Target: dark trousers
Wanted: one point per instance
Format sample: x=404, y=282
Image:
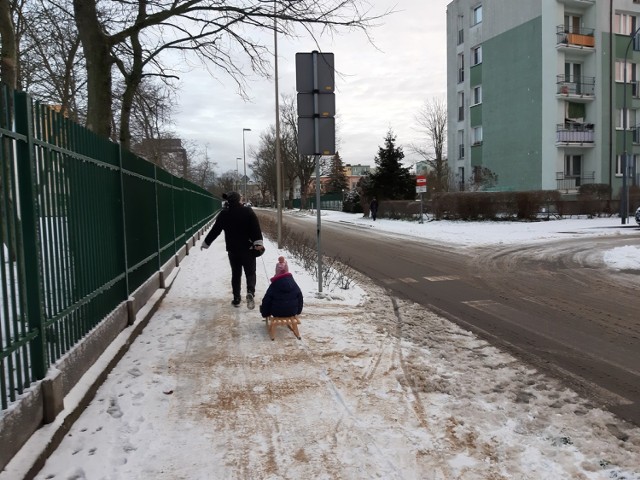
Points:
x=238, y=262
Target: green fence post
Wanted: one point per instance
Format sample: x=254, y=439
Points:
x=124, y=222
x=157, y=205
x=27, y=181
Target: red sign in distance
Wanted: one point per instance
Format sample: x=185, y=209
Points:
x=421, y=181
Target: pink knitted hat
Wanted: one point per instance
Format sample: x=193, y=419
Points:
x=281, y=266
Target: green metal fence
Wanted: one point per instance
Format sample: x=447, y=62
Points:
x=84, y=224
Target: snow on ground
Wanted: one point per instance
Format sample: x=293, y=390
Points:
x=376, y=388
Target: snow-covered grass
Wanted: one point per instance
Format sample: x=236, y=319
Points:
x=376, y=388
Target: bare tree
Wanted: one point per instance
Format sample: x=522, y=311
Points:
x=211, y=30
x=432, y=117
x=305, y=164
x=264, y=166
x=51, y=64
x=225, y=183
x=9, y=49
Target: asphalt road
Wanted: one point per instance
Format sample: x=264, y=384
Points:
x=552, y=305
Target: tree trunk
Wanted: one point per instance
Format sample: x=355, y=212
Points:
x=9, y=62
x=8, y=75
x=132, y=81
x=97, y=51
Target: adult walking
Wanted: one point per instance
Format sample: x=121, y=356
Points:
x=243, y=239
x=373, y=208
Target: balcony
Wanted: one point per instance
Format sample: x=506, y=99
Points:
x=569, y=182
x=580, y=4
x=575, y=39
x=576, y=88
x=575, y=134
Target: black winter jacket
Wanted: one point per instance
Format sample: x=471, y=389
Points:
x=283, y=297
x=241, y=228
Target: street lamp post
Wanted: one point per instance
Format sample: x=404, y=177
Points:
x=624, y=197
x=237, y=172
x=244, y=156
x=278, y=153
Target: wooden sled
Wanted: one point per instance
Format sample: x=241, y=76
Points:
x=291, y=322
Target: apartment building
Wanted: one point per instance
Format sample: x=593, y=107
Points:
x=536, y=92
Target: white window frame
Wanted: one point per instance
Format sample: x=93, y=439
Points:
x=476, y=55
x=620, y=118
x=460, y=29
x=476, y=14
x=632, y=71
x=476, y=135
x=477, y=95
x=631, y=161
x=623, y=23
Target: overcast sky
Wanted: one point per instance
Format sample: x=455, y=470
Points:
x=381, y=87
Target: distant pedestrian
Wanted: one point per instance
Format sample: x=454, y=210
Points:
x=373, y=208
x=283, y=297
x=243, y=239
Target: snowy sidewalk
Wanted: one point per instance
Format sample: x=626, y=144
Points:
x=376, y=388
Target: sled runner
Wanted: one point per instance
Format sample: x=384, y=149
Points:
x=291, y=322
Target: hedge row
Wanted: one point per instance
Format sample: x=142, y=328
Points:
x=592, y=200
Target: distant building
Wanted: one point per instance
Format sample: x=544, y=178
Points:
x=167, y=153
x=355, y=172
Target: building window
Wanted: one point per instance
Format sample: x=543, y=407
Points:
x=624, y=23
x=460, y=106
x=460, y=144
x=631, y=162
x=460, y=30
x=618, y=165
x=632, y=116
x=477, y=95
x=460, y=67
x=476, y=55
x=477, y=15
x=632, y=70
x=573, y=165
x=477, y=135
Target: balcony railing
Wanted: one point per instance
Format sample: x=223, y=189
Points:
x=575, y=133
x=575, y=36
x=565, y=181
x=572, y=85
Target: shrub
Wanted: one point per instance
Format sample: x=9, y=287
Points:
x=336, y=272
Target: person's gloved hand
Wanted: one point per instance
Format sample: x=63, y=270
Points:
x=203, y=246
x=257, y=248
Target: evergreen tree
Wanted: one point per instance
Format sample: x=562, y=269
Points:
x=391, y=180
x=338, y=180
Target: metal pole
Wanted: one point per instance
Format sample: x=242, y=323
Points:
x=316, y=126
x=278, y=157
x=244, y=156
x=421, y=202
x=237, y=172
x=623, y=196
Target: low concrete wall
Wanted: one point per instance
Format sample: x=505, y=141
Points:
x=41, y=403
